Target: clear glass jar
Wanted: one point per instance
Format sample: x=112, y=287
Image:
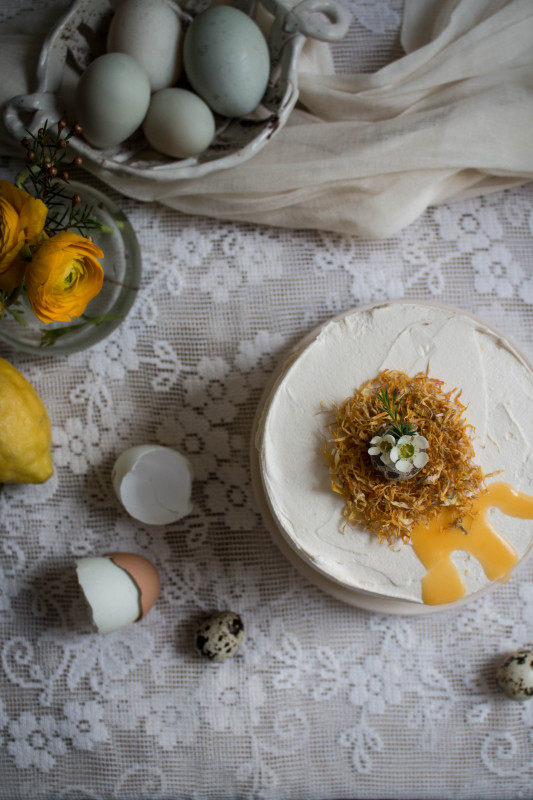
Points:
x=122, y=277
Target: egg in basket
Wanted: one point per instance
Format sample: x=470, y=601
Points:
x=237, y=80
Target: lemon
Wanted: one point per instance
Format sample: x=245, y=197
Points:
x=25, y=431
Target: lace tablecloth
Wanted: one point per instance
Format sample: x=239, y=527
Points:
x=322, y=701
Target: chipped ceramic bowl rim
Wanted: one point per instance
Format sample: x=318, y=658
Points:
x=236, y=140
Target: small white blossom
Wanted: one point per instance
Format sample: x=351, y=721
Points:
x=409, y=451
x=382, y=446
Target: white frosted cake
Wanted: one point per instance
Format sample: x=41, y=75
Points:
x=496, y=385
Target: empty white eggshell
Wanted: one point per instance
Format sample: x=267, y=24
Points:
x=153, y=483
x=112, y=99
x=150, y=31
x=179, y=123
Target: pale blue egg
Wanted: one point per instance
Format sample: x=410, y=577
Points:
x=112, y=99
x=226, y=60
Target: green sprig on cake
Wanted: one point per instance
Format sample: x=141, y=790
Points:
x=398, y=452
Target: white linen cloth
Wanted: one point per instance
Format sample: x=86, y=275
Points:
x=322, y=702
x=366, y=154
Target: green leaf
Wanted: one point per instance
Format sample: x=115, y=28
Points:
x=48, y=338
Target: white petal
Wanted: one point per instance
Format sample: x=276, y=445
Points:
x=375, y=440
x=420, y=441
x=404, y=440
x=385, y=458
x=374, y=451
x=420, y=460
x=394, y=454
x=389, y=438
x=403, y=466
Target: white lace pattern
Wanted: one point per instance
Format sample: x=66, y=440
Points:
x=322, y=701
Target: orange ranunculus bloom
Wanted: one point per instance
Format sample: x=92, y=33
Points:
x=22, y=219
x=63, y=276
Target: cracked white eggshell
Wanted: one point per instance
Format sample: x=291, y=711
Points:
x=111, y=592
x=153, y=483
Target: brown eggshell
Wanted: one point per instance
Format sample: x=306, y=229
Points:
x=143, y=573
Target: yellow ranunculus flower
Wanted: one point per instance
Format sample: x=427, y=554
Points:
x=22, y=220
x=63, y=276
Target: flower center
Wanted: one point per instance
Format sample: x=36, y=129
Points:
x=75, y=269
x=407, y=450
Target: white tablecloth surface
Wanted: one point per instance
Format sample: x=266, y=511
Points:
x=323, y=701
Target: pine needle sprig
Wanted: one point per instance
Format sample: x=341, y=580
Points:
x=391, y=405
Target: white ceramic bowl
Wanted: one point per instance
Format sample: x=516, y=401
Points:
x=80, y=36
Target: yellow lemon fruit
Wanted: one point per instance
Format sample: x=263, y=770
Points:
x=25, y=431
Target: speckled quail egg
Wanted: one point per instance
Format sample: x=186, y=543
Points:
x=515, y=675
x=220, y=635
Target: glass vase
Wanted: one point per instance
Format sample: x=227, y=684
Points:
x=122, y=276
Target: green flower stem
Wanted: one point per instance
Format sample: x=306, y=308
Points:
x=25, y=253
x=48, y=338
x=21, y=178
x=17, y=316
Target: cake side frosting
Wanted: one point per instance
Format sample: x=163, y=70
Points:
x=497, y=388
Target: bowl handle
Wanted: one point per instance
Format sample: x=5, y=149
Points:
x=17, y=113
x=326, y=20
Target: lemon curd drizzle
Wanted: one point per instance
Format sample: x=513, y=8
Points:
x=435, y=542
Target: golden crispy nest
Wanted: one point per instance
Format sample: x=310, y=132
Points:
x=451, y=478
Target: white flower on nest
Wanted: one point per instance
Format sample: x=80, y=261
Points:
x=409, y=451
x=382, y=446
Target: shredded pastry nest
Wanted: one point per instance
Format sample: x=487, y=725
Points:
x=390, y=508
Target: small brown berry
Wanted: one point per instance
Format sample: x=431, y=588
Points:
x=52, y=171
x=40, y=131
x=64, y=176
x=77, y=129
x=61, y=124
x=78, y=161
x=61, y=144
x=31, y=155
x=76, y=200
x=26, y=143
x=48, y=165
